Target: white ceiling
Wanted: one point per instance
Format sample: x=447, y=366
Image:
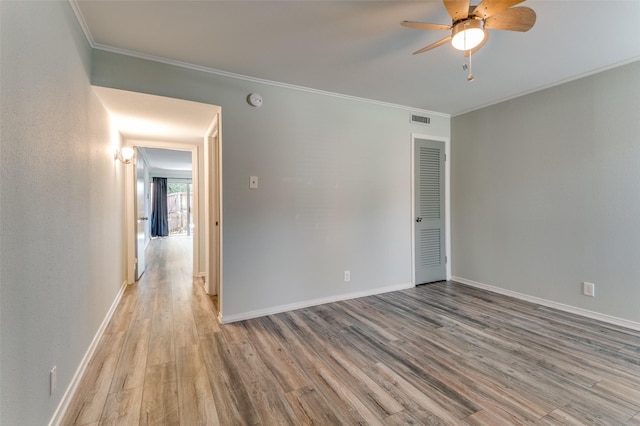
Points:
x=358, y=48
x=139, y=116
x=167, y=160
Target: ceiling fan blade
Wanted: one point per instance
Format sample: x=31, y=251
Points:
x=515, y=19
x=488, y=8
x=434, y=45
x=424, y=25
x=473, y=51
x=458, y=9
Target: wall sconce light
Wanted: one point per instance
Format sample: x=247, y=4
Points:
x=125, y=154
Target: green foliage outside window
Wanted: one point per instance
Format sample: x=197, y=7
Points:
x=172, y=188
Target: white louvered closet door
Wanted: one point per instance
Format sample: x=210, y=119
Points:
x=429, y=211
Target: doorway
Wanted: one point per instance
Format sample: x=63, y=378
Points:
x=430, y=209
x=162, y=159
x=145, y=120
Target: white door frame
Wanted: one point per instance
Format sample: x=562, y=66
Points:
x=130, y=195
x=447, y=202
x=213, y=210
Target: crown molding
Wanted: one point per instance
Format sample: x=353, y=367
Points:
x=82, y=22
x=262, y=81
x=97, y=46
x=549, y=86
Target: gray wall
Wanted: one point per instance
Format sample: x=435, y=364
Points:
x=334, y=178
x=61, y=208
x=546, y=193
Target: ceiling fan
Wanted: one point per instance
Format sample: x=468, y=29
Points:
x=470, y=23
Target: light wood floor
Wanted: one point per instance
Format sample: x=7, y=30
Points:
x=438, y=354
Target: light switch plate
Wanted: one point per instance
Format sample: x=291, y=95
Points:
x=253, y=182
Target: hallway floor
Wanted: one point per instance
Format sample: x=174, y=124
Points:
x=149, y=362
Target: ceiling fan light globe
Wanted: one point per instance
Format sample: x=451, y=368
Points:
x=467, y=34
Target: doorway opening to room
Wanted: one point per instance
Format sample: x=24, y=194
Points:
x=146, y=121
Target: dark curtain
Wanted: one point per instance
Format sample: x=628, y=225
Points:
x=159, y=213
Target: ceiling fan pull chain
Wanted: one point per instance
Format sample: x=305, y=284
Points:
x=470, y=76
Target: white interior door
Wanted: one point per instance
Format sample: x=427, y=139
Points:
x=430, y=237
x=142, y=220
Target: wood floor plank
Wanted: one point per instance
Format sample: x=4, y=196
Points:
x=401, y=418
x=354, y=383
x=469, y=380
x=580, y=402
x=492, y=416
x=619, y=391
x=160, y=396
x=560, y=418
x=121, y=317
x=235, y=331
x=284, y=369
x=204, y=312
x=185, y=332
x=195, y=398
x=443, y=353
x=419, y=404
x=363, y=321
x=161, y=341
x=297, y=335
x=88, y=406
x=311, y=408
x=233, y=403
x=635, y=420
x=344, y=392
x=413, y=369
x=378, y=397
x=130, y=370
x=122, y=408
x=263, y=388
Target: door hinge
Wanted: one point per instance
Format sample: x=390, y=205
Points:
x=445, y=157
x=446, y=260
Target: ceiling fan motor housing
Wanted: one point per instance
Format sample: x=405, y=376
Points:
x=467, y=34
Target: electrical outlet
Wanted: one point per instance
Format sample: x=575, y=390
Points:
x=347, y=276
x=53, y=379
x=588, y=289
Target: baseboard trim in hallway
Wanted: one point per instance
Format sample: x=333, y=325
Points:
x=551, y=304
x=69, y=393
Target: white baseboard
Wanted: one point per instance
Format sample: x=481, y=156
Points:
x=551, y=304
x=307, y=303
x=56, y=420
x=199, y=278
